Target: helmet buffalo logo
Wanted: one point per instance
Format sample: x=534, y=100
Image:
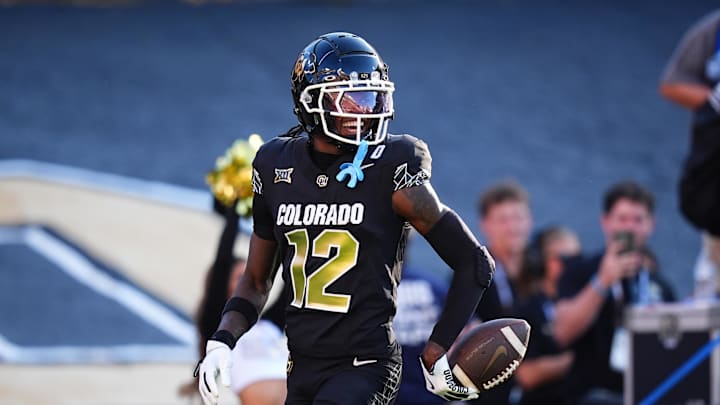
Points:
x=299, y=67
x=305, y=64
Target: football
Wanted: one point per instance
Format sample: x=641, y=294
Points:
x=488, y=354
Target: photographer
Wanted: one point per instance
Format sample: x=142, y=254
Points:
x=593, y=291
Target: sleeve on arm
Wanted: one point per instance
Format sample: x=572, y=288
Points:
x=473, y=269
x=262, y=219
x=262, y=214
x=417, y=170
x=421, y=158
x=490, y=307
x=688, y=61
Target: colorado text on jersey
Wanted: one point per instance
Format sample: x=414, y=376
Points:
x=320, y=214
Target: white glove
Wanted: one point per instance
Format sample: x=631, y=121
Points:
x=217, y=361
x=440, y=381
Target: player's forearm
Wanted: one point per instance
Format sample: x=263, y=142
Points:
x=235, y=323
x=574, y=316
x=239, y=315
x=541, y=370
x=473, y=270
x=687, y=95
x=243, y=308
x=463, y=296
x=455, y=244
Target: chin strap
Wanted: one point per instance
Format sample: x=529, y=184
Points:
x=354, y=170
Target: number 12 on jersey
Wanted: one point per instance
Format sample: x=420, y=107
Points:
x=309, y=291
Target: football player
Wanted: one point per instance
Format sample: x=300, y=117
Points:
x=334, y=199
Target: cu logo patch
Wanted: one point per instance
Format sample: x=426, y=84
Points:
x=321, y=180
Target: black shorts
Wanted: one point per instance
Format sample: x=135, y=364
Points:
x=343, y=381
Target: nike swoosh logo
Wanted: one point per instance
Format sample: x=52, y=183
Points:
x=358, y=363
x=363, y=167
x=501, y=350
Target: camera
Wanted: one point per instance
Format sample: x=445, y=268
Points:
x=627, y=241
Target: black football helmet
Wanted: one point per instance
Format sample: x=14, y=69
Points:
x=340, y=88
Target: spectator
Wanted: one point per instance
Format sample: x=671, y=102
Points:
x=505, y=221
x=545, y=364
x=690, y=80
x=593, y=291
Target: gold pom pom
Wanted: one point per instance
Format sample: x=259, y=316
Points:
x=231, y=180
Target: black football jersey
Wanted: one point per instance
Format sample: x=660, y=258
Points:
x=341, y=247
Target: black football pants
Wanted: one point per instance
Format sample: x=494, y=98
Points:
x=343, y=381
